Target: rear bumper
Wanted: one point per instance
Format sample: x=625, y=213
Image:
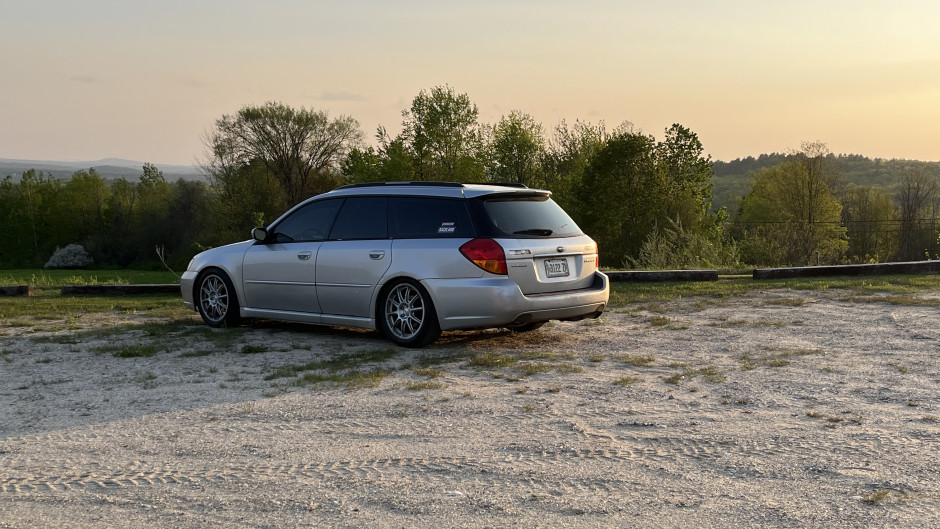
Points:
x=498, y=302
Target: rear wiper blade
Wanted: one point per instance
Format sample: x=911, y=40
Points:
x=534, y=231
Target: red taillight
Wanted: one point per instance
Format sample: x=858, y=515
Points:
x=487, y=254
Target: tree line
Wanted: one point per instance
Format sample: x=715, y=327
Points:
x=647, y=201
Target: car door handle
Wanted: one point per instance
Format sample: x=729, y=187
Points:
x=304, y=256
x=377, y=254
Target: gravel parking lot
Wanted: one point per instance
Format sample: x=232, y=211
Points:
x=777, y=409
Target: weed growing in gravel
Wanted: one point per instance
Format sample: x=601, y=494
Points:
x=349, y=379
x=7, y=355
x=627, y=381
x=196, y=354
x=423, y=385
x=881, y=496
x=253, y=349
x=430, y=372
x=637, y=360
x=131, y=351
x=900, y=368
x=545, y=355
x=659, y=321
x=778, y=357
x=708, y=373
x=490, y=359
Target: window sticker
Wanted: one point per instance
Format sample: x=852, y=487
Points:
x=447, y=227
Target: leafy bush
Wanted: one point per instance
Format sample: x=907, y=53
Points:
x=72, y=256
x=676, y=248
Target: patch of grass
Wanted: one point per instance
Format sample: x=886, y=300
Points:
x=196, y=354
x=490, y=360
x=660, y=321
x=58, y=278
x=349, y=379
x=430, y=372
x=778, y=357
x=545, y=355
x=596, y=358
x=708, y=373
x=552, y=389
x=134, y=351
x=881, y=496
x=50, y=305
x=637, y=360
x=253, y=349
x=899, y=367
x=625, y=293
x=424, y=385
x=627, y=381
x=786, y=302
x=532, y=368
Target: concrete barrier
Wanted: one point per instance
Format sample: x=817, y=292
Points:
x=911, y=267
x=120, y=290
x=18, y=290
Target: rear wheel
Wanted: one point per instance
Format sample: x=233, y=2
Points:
x=407, y=315
x=216, y=299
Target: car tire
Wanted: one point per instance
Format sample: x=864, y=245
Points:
x=406, y=315
x=216, y=299
x=528, y=327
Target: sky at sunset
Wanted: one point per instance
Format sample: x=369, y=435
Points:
x=144, y=80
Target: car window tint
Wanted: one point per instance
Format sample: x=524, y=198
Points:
x=362, y=218
x=309, y=223
x=419, y=218
x=530, y=217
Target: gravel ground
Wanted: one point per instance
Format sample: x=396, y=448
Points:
x=779, y=409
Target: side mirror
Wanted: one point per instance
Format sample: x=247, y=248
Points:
x=259, y=234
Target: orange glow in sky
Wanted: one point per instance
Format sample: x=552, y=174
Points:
x=145, y=80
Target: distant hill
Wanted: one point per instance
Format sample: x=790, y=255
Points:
x=733, y=179
x=108, y=168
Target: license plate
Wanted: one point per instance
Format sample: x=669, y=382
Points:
x=556, y=267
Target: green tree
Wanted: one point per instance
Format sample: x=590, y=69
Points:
x=443, y=136
x=789, y=217
x=917, y=195
x=869, y=216
x=517, y=149
x=302, y=148
x=617, y=194
x=568, y=153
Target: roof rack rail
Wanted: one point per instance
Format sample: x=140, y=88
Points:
x=423, y=184
x=507, y=184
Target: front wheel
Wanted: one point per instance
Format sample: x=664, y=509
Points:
x=407, y=315
x=216, y=299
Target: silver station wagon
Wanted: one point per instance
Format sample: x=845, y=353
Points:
x=410, y=259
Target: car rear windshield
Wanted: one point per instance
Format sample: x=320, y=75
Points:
x=537, y=216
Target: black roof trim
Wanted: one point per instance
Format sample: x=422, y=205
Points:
x=423, y=184
x=432, y=184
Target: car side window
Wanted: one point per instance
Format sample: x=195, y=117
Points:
x=423, y=218
x=309, y=223
x=362, y=218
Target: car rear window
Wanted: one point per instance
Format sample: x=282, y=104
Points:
x=423, y=218
x=536, y=216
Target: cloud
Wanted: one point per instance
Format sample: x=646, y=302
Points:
x=341, y=95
